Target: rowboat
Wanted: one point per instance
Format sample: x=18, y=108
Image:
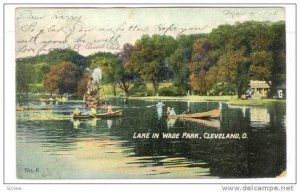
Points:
x=50, y=107
x=20, y=108
x=102, y=115
x=208, y=114
x=43, y=100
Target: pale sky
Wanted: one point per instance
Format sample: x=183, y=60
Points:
x=90, y=30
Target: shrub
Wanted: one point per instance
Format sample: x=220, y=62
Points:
x=140, y=90
x=170, y=91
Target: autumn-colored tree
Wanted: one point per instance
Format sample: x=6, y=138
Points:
x=179, y=61
x=63, y=76
x=201, y=62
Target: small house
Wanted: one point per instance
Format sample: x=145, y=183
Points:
x=259, y=89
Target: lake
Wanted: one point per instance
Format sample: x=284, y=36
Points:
x=245, y=142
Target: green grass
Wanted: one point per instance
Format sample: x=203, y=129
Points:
x=188, y=98
x=231, y=99
x=259, y=102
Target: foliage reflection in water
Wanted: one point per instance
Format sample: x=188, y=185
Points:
x=50, y=145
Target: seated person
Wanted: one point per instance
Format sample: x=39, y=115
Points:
x=93, y=111
x=76, y=111
x=168, y=110
x=172, y=112
x=109, y=109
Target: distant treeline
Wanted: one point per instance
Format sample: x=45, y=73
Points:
x=225, y=60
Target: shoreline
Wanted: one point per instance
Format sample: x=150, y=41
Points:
x=232, y=100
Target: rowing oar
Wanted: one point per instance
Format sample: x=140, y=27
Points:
x=94, y=116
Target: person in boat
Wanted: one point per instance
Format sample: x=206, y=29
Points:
x=109, y=109
x=93, y=111
x=172, y=112
x=30, y=106
x=76, y=111
x=168, y=110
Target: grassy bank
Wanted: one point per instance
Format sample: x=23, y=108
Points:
x=261, y=102
x=140, y=91
x=232, y=100
x=187, y=98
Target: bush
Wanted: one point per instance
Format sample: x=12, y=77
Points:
x=37, y=88
x=140, y=90
x=222, y=89
x=170, y=91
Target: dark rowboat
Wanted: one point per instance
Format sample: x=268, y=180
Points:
x=208, y=114
x=102, y=115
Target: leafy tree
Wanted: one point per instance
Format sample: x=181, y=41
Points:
x=149, y=59
x=200, y=64
x=260, y=68
x=125, y=76
x=40, y=71
x=232, y=68
x=59, y=55
x=63, y=76
x=180, y=60
x=263, y=46
x=23, y=77
x=278, y=49
x=109, y=64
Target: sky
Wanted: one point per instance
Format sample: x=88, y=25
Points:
x=91, y=30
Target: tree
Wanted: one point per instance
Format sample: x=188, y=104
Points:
x=149, y=59
x=59, y=55
x=23, y=77
x=278, y=49
x=260, y=68
x=232, y=68
x=40, y=71
x=125, y=76
x=180, y=59
x=82, y=84
x=109, y=64
x=63, y=76
x=200, y=64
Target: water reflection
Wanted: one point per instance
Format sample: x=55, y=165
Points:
x=259, y=117
x=76, y=124
x=159, y=112
x=170, y=122
x=105, y=148
x=109, y=123
x=92, y=122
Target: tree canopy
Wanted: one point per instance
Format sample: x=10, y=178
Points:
x=230, y=55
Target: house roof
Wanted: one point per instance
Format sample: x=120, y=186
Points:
x=259, y=84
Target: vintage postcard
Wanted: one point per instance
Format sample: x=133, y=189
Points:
x=151, y=93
